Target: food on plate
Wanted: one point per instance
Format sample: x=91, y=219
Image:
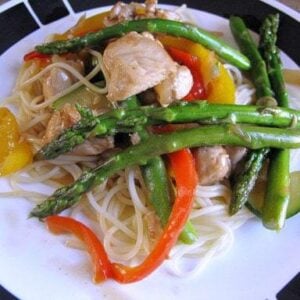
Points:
x=149, y=129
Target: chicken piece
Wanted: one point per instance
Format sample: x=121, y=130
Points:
x=58, y=79
x=60, y=120
x=175, y=86
x=94, y=146
x=150, y=36
x=134, y=64
x=236, y=154
x=153, y=12
x=212, y=164
x=150, y=6
x=121, y=12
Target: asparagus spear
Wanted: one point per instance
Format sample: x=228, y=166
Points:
x=258, y=69
x=175, y=28
x=107, y=124
x=245, y=180
x=157, y=183
x=278, y=192
x=236, y=135
x=198, y=111
x=270, y=53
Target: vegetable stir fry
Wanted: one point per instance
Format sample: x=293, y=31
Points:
x=139, y=87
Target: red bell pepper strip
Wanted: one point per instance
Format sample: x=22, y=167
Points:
x=182, y=164
x=192, y=62
x=101, y=263
x=36, y=55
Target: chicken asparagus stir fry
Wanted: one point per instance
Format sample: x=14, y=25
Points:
x=141, y=86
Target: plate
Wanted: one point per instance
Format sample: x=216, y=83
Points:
x=36, y=265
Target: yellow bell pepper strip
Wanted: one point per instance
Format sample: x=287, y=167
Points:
x=101, y=264
x=217, y=81
x=192, y=62
x=183, y=166
x=14, y=154
x=9, y=132
x=84, y=26
x=18, y=158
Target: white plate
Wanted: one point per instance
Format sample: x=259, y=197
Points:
x=36, y=265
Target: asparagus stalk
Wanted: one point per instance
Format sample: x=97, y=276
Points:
x=278, y=192
x=198, y=111
x=246, y=179
x=236, y=135
x=174, y=28
x=258, y=69
x=157, y=183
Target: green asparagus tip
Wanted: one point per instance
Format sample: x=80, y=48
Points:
x=37, y=213
x=233, y=209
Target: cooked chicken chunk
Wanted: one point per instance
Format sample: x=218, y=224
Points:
x=151, y=6
x=175, y=87
x=94, y=146
x=59, y=121
x=134, y=64
x=121, y=12
x=236, y=154
x=212, y=164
